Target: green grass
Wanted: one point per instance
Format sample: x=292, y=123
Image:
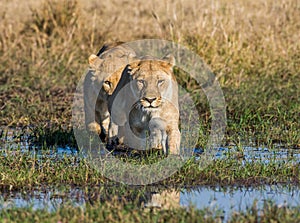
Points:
x=23, y=169
x=120, y=211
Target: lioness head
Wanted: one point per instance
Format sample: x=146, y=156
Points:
x=152, y=81
x=108, y=64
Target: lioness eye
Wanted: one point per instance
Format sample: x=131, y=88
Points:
x=107, y=82
x=161, y=82
x=140, y=81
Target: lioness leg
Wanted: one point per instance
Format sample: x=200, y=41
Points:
x=174, y=141
x=90, y=103
x=113, y=134
x=158, y=135
x=91, y=121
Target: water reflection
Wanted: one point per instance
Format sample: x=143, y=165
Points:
x=224, y=199
x=168, y=199
x=234, y=199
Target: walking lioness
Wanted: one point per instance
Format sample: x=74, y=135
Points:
x=145, y=102
x=104, y=73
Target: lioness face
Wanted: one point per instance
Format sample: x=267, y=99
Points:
x=151, y=83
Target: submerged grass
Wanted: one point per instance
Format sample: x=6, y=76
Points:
x=21, y=169
x=118, y=211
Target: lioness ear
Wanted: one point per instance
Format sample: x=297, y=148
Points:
x=94, y=61
x=169, y=59
x=133, y=67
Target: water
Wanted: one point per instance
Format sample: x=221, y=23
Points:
x=49, y=198
x=260, y=154
x=230, y=200
x=222, y=200
x=248, y=154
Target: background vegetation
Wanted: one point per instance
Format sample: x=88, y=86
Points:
x=252, y=47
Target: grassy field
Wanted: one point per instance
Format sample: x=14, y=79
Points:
x=252, y=47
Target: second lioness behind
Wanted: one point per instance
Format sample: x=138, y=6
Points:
x=104, y=73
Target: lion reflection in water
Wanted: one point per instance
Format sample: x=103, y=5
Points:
x=168, y=199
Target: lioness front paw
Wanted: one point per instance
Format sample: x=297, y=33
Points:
x=158, y=140
x=94, y=127
x=155, y=143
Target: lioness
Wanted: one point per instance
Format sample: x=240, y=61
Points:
x=102, y=77
x=145, y=102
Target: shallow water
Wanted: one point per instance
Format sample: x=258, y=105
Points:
x=230, y=200
x=221, y=200
x=256, y=154
x=247, y=153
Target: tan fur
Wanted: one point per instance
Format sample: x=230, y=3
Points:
x=103, y=75
x=146, y=102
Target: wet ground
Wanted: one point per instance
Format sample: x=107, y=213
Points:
x=224, y=200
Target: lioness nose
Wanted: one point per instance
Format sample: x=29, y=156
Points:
x=150, y=100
